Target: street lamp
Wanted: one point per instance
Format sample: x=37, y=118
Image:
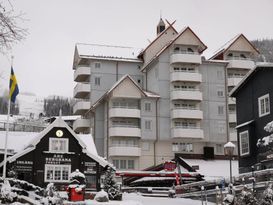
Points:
x=229, y=148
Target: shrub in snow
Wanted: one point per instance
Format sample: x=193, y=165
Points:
x=6, y=193
x=102, y=196
x=246, y=197
x=110, y=185
x=51, y=196
x=77, y=177
x=267, y=196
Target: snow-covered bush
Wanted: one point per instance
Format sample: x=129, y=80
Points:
x=102, y=196
x=267, y=196
x=6, y=193
x=110, y=185
x=51, y=196
x=77, y=177
x=246, y=197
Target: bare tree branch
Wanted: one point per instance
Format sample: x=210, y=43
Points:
x=10, y=31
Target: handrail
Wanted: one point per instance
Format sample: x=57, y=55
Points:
x=186, y=108
x=126, y=107
x=186, y=127
x=186, y=89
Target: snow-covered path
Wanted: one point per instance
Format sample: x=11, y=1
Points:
x=135, y=199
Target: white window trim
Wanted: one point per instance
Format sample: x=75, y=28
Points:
x=240, y=135
x=56, y=165
x=259, y=104
x=64, y=139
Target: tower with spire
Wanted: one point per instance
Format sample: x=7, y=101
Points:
x=160, y=26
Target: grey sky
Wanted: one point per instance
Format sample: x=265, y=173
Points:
x=43, y=62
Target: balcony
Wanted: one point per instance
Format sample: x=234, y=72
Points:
x=233, y=135
x=233, y=81
x=81, y=90
x=81, y=125
x=232, y=117
x=82, y=73
x=186, y=77
x=124, y=131
x=124, y=151
x=185, y=57
x=132, y=112
x=187, y=113
x=185, y=132
x=81, y=107
x=244, y=63
x=189, y=94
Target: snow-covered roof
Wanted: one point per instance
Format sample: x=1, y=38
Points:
x=108, y=52
x=214, y=168
x=244, y=124
x=24, y=142
x=228, y=44
x=66, y=118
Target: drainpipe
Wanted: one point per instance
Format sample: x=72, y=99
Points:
x=107, y=130
x=227, y=97
x=117, y=71
x=156, y=129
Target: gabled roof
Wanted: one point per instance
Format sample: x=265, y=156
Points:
x=59, y=122
x=144, y=93
x=248, y=76
x=227, y=45
x=170, y=25
x=171, y=42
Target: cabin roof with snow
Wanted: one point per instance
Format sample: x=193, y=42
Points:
x=24, y=142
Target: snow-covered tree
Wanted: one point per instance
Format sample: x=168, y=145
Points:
x=110, y=185
x=267, y=196
x=51, y=196
x=246, y=197
x=6, y=193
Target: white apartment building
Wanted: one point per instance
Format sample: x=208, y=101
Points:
x=143, y=107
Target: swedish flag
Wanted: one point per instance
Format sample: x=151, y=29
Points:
x=13, y=87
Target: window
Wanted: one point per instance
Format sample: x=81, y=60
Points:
x=124, y=163
x=97, y=64
x=175, y=147
x=147, y=106
x=221, y=127
x=97, y=81
x=244, y=143
x=220, y=110
x=57, y=173
x=264, y=105
x=148, y=124
x=219, y=148
x=131, y=164
x=182, y=147
x=220, y=93
x=58, y=145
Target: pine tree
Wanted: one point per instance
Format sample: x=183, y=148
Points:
x=110, y=185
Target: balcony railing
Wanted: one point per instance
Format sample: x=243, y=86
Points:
x=185, y=57
x=125, y=125
x=126, y=107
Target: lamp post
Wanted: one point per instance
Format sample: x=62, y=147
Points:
x=229, y=149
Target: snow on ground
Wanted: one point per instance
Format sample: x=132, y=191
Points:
x=136, y=199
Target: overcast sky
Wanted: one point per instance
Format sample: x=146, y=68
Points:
x=43, y=62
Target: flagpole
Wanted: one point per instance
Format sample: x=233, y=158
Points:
x=7, y=133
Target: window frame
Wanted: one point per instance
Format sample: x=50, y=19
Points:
x=54, y=166
x=148, y=124
x=51, y=139
x=97, y=63
x=260, y=100
x=241, y=145
x=147, y=106
x=97, y=80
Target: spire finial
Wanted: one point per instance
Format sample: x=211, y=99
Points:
x=160, y=13
x=60, y=113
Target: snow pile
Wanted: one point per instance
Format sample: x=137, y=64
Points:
x=102, y=196
x=77, y=174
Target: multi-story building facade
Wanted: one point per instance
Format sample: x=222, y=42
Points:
x=144, y=107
